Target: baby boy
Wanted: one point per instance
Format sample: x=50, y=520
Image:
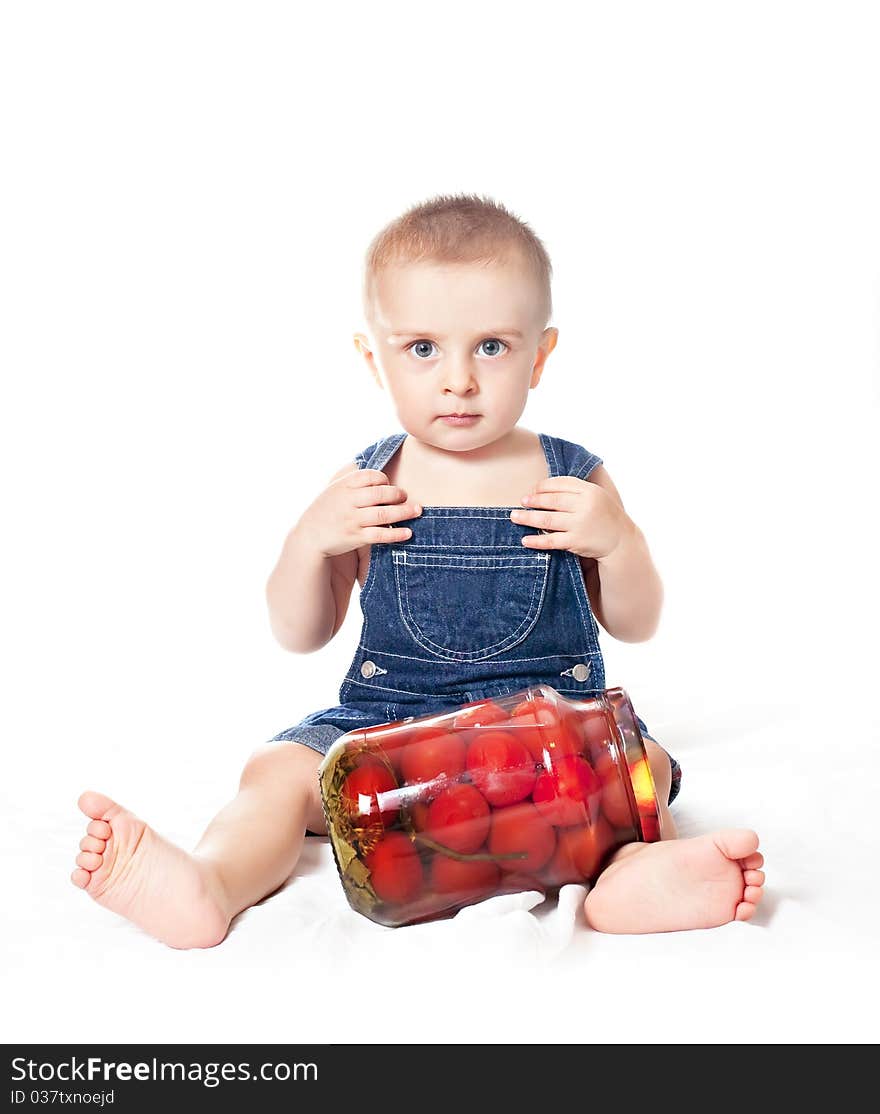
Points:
x=457, y=302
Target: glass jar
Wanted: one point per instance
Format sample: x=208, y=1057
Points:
x=527, y=791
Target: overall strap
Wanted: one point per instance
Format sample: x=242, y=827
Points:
x=567, y=458
x=380, y=452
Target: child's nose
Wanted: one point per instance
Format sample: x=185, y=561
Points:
x=459, y=375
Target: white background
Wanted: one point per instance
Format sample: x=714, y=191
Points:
x=187, y=196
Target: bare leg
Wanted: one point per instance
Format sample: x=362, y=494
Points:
x=676, y=884
x=254, y=843
x=661, y=771
x=248, y=850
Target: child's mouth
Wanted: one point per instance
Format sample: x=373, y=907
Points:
x=460, y=419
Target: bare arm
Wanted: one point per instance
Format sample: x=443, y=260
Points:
x=625, y=590
x=299, y=594
x=310, y=587
x=307, y=592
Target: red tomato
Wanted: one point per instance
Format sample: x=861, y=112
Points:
x=418, y=813
x=615, y=799
x=432, y=753
x=586, y=846
x=595, y=728
x=389, y=740
x=459, y=818
x=501, y=767
x=367, y=794
x=552, y=728
x=569, y=793
x=395, y=868
x=478, y=878
x=561, y=869
x=524, y=726
x=521, y=827
x=482, y=714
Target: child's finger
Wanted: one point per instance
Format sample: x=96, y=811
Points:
x=379, y=495
x=540, y=519
x=551, y=500
x=545, y=540
x=570, y=484
x=386, y=535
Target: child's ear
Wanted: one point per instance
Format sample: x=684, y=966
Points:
x=362, y=344
x=545, y=346
x=550, y=337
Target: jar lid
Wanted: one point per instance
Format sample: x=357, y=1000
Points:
x=641, y=780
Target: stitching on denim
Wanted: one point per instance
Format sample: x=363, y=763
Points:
x=406, y=692
x=384, y=450
x=436, y=510
x=460, y=655
x=552, y=461
x=578, y=573
x=506, y=643
x=453, y=561
x=416, y=546
x=379, y=653
x=474, y=694
x=377, y=462
x=488, y=687
x=363, y=595
x=316, y=730
x=580, y=593
x=503, y=513
x=589, y=464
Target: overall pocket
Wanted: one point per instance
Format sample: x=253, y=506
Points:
x=466, y=608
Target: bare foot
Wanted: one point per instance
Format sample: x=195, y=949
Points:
x=675, y=884
x=126, y=867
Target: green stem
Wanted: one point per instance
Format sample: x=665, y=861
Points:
x=462, y=857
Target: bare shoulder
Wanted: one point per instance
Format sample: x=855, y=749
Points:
x=351, y=466
x=600, y=477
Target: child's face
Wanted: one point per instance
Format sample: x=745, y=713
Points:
x=445, y=341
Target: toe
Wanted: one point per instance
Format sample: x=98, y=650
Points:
x=89, y=860
x=99, y=828
x=753, y=894
x=92, y=843
x=96, y=805
x=745, y=911
x=753, y=862
x=80, y=877
x=753, y=877
x=736, y=843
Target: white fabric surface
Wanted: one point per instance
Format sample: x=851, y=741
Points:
x=302, y=966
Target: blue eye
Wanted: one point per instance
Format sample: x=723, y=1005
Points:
x=418, y=347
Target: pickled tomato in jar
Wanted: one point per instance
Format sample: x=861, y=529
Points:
x=529, y=790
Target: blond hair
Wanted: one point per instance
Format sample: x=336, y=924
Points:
x=456, y=228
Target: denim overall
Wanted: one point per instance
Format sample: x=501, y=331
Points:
x=462, y=611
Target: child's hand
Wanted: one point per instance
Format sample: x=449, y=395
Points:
x=355, y=510
x=578, y=515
